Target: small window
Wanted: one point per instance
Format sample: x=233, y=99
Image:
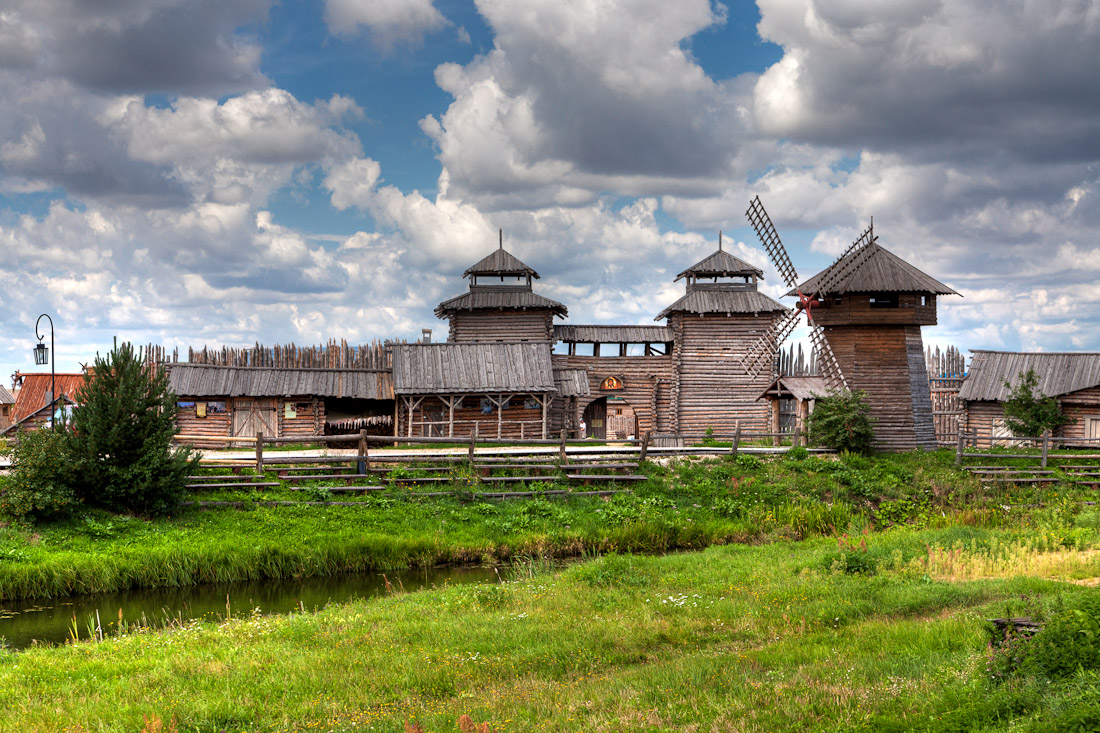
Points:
x=837, y=299
x=585, y=350
x=924, y=300
x=884, y=300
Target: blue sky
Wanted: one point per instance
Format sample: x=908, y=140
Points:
x=222, y=172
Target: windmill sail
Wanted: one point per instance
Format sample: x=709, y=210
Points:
x=769, y=237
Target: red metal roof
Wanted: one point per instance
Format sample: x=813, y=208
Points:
x=32, y=395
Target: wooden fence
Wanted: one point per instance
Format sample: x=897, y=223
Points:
x=946, y=371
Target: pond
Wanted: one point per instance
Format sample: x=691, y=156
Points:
x=23, y=623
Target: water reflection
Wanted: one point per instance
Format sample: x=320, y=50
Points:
x=51, y=621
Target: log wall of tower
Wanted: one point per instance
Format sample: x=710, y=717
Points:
x=502, y=325
x=713, y=389
x=879, y=361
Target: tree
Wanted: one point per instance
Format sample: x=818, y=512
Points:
x=39, y=485
x=121, y=446
x=842, y=421
x=1027, y=413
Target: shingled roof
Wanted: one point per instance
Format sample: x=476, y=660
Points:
x=613, y=334
x=202, y=380
x=470, y=368
x=503, y=298
x=728, y=302
x=6, y=397
x=882, y=272
x=1058, y=374
x=500, y=262
x=720, y=264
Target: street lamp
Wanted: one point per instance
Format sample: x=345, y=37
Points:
x=41, y=354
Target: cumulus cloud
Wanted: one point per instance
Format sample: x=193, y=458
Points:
x=387, y=21
x=576, y=98
x=188, y=46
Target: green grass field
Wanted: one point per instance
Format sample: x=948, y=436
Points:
x=831, y=595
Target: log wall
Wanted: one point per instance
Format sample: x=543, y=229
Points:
x=855, y=309
x=887, y=362
x=711, y=388
x=308, y=421
x=502, y=325
x=646, y=386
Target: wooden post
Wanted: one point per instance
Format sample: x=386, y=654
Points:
x=645, y=447
x=736, y=437
x=561, y=449
x=364, y=459
x=959, y=449
x=796, y=437
x=775, y=423
x=473, y=445
x=1046, y=447
x=259, y=452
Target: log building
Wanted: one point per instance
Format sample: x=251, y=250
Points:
x=1072, y=379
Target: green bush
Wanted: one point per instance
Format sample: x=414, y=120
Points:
x=39, y=486
x=1027, y=413
x=1069, y=641
x=842, y=421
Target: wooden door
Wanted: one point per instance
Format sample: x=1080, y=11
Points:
x=595, y=418
x=1092, y=428
x=253, y=416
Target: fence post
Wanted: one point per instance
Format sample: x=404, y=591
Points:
x=645, y=447
x=1046, y=447
x=259, y=452
x=736, y=437
x=473, y=445
x=364, y=458
x=561, y=447
x=796, y=437
x=959, y=448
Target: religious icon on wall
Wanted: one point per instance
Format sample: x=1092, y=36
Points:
x=611, y=383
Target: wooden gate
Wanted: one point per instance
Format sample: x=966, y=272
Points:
x=253, y=416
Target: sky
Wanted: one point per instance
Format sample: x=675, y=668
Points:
x=224, y=172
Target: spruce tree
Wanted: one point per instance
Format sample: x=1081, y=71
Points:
x=1028, y=414
x=121, y=445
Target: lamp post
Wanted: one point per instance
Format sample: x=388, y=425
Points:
x=41, y=354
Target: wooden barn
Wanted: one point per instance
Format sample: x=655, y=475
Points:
x=1072, y=378
x=492, y=390
x=871, y=317
x=282, y=391
x=229, y=401
x=720, y=315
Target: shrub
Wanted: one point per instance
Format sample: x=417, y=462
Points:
x=121, y=445
x=39, y=486
x=1069, y=641
x=842, y=421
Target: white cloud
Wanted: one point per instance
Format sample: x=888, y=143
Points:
x=388, y=21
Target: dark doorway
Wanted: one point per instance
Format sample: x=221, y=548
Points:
x=595, y=418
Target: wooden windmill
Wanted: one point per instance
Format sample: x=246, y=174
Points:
x=865, y=312
x=762, y=354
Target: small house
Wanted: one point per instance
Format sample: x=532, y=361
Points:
x=1073, y=379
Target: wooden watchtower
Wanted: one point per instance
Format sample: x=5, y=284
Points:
x=871, y=318
x=500, y=304
x=721, y=313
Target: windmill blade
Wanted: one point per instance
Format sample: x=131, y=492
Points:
x=826, y=359
x=849, y=261
x=761, y=353
x=769, y=237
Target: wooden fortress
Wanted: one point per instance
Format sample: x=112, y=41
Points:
x=509, y=370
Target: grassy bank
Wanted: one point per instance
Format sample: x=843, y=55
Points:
x=784, y=636
x=689, y=504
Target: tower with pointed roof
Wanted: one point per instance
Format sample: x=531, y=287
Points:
x=871, y=319
x=500, y=305
x=720, y=314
